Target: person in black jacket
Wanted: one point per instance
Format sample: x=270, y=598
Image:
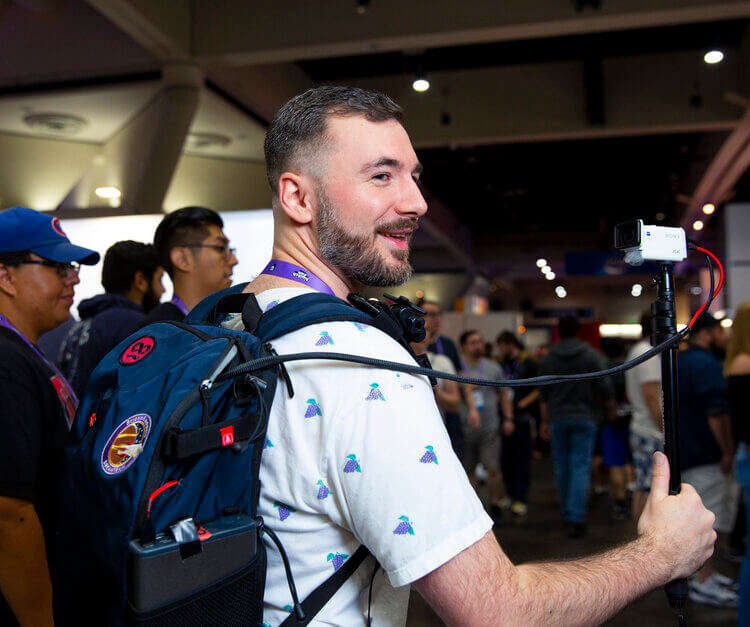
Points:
x=131, y=276
x=568, y=419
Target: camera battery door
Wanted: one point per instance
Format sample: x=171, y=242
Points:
x=195, y=574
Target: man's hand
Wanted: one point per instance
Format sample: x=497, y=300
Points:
x=509, y=426
x=679, y=527
x=544, y=431
x=473, y=419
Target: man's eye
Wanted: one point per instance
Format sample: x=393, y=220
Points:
x=383, y=176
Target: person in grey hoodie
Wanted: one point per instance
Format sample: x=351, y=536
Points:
x=131, y=276
x=568, y=419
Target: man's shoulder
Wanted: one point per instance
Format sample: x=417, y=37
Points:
x=162, y=312
x=18, y=364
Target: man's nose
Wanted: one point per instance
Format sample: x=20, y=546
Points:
x=413, y=202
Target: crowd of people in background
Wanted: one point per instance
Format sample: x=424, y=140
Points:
x=497, y=433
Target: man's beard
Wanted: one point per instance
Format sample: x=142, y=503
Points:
x=356, y=256
x=150, y=300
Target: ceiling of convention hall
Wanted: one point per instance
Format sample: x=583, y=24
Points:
x=545, y=122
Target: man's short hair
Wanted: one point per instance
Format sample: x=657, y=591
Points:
x=466, y=335
x=706, y=322
x=508, y=337
x=14, y=258
x=300, y=125
x=568, y=327
x=121, y=262
x=188, y=225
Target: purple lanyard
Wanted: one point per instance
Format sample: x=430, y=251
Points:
x=480, y=368
x=439, y=346
x=180, y=304
x=293, y=272
x=4, y=322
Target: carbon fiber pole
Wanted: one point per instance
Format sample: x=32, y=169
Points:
x=664, y=326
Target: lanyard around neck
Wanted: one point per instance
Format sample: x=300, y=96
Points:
x=293, y=272
x=180, y=304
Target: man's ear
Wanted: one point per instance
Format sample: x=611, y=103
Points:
x=296, y=197
x=7, y=280
x=139, y=283
x=181, y=259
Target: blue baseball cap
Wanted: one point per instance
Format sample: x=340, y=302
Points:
x=26, y=229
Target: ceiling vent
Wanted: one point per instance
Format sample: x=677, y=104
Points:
x=55, y=123
x=202, y=141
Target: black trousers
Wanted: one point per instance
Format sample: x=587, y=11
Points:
x=515, y=460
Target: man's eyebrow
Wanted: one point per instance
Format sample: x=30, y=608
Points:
x=222, y=239
x=392, y=163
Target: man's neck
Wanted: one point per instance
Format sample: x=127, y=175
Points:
x=190, y=294
x=471, y=361
x=22, y=324
x=308, y=260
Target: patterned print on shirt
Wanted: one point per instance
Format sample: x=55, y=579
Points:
x=337, y=559
x=360, y=326
x=324, y=339
x=352, y=464
x=313, y=409
x=375, y=394
x=284, y=510
x=323, y=490
x=429, y=457
x=267, y=444
x=404, y=527
x=271, y=305
x=404, y=385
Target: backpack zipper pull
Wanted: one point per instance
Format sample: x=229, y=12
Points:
x=283, y=370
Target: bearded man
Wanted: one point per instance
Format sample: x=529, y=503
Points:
x=360, y=456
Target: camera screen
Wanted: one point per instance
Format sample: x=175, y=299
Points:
x=627, y=235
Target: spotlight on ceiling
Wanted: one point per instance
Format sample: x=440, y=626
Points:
x=726, y=323
x=636, y=290
x=546, y=269
x=420, y=83
x=541, y=262
x=713, y=56
x=550, y=276
x=697, y=225
x=709, y=208
x=560, y=291
x=108, y=191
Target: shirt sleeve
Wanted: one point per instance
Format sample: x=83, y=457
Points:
x=21, y=424
x=401, y=489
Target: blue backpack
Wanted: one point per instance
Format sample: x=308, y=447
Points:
x=159, y=521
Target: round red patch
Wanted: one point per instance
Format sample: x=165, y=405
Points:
x=58, y=227
x=139, y=349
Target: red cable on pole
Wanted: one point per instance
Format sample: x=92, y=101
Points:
x=715, y=259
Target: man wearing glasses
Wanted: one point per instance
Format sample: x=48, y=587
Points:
x=195, y=253
x=38, y=274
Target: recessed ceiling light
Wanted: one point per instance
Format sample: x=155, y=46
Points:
x=713, y=56
x=108, y=191
x=561, y=291
x=726, y=323
x=541, y=262
x=709, y=208
x=199, y=141
x=550, y=276
x=697, y=225
x=420, y=84
x=55, y=123
x=546, y=269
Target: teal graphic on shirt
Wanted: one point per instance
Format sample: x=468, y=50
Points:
x=313, y=409
x=360, y=326
x=324, y=339
x=323, y=490
x=429, y=457
x=375, y=394
x=267, y=444
x=352, y=464
x=404, y=384
x=337, y=559
x=404, y=527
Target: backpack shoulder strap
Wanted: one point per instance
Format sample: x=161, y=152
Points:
x=203, y=312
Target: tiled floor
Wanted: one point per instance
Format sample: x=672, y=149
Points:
x=540, y=536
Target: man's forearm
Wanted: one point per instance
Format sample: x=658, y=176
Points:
x=24, y=575
x=721, y=430
x=590, y=590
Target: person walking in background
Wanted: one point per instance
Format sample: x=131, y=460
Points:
x=38, y=275
x=516, y=446
x=193, y=249
x=737, y=372
x=643, y=387
x=707, y=447
x=568, y=419
x=483, y=439
x=131, y=277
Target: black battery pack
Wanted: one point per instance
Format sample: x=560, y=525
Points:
x=168, y=584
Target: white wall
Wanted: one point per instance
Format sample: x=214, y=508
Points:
x=250, y=232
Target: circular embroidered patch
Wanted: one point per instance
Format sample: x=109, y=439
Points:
x=58, y=227
x=126, y=444
x=137, y=350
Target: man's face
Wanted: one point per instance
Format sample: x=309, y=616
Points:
x=719, y=339
x=212, y=267
x=504, y=350
x=432, y=318
x=474, y=346
x=42, y=295
x=368, y=200
x=155, y=290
